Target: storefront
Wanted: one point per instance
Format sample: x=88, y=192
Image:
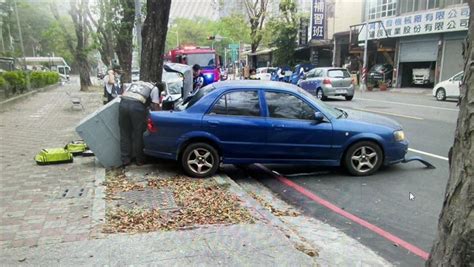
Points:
x=428, y=44
x=418, y=56
x=452, y=61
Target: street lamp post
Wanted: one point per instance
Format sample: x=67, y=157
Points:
x=364, y=66
x=177, y=37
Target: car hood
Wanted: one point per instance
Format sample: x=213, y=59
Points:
x=366, y=117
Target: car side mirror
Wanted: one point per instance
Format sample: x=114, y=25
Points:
x=318, y=117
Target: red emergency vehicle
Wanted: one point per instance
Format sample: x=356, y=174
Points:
x=203, y=56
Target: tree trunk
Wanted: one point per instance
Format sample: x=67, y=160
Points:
x=79, y=17
x=454, y=245
x=124, y=38
x=154, y=32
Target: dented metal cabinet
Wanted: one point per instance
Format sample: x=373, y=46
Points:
x=101, y=132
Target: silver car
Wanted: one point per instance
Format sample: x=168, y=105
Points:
x=329, y=81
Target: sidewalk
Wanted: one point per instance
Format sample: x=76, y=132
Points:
x=33, y=211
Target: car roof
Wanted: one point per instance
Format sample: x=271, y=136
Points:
x=254, y=84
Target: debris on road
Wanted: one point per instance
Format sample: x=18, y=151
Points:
x=273, y=210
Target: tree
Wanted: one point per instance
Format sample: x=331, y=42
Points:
x=78, y=13
x=454, y=245
x=284, y=32
x=115, y=37
x=125, y=12
x=154, y=32
x=105, y=36
x=256, y=11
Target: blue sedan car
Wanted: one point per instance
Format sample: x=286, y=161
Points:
x=245, y=122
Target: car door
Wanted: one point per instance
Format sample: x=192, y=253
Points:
x=314, y=81
x=303, y=83
x=236, y=120
x=452, y=89
x=292, y=131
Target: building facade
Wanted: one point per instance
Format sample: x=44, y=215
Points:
x=421, y=34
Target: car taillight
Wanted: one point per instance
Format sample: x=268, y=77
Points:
x=326, y=81
x=150, y=127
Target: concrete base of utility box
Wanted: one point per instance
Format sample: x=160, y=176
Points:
x=101, y=132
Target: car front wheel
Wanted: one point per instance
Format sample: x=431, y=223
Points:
x=440, y=94
x=363, y=158
x=349, y=97
x=200, y=160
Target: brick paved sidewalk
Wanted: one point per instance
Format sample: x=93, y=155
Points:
x=32, y=209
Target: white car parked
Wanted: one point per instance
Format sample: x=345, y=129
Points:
x=264, y=74
x=448, y=88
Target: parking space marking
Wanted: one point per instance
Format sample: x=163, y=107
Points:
x=392, y=238
x=389, y=113
x=428, y=154
x=407, y=104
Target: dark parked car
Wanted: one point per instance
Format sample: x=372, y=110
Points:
x=380, y=73
x=244, y=122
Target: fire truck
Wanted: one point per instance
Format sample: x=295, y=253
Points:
x=203, y=56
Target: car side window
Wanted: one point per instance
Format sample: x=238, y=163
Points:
x=287, y=106
x=458, y=77
x=310, y=74
x=318, y=73
x=241, y=103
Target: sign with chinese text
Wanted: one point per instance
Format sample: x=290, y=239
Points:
x=303, y=32
x=433, y=21
x=318, y=17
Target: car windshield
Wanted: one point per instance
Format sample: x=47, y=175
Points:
x=174, y=81
x=338, y=73
x=324, y=107
x=192, y=99
x=202, y=60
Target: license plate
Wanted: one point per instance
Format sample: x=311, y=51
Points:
x=340, y=91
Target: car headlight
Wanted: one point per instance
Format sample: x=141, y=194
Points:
x=399, y=135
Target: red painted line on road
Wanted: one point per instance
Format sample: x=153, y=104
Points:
x=412, y=248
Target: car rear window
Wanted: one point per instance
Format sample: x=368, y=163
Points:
x=338, y=74
x=192, y=99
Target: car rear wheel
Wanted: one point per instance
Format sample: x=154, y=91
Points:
x=200, y=160
x=363, y=158
x=440, y=94
x=320, y=94
x=349, y=97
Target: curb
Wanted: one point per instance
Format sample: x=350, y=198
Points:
x=263, y=213
x=4, y=105
x=399, y=91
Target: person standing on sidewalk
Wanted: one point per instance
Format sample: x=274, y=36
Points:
x=112, y=84
x=132, y=119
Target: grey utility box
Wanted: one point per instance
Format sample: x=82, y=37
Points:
x=101, y=132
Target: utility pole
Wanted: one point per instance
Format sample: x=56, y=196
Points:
x=1, y=36
x=364, y=68
x=21, y=44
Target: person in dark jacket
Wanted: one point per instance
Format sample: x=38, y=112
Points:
x=133, y=111
x=198, y=78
